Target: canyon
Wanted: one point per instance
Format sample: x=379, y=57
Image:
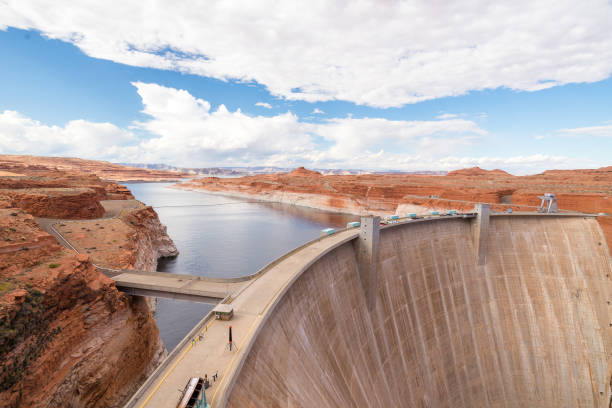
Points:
x=579, y=190
x=68, y=337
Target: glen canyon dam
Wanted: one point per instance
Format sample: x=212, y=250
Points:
x=527, y=325
x=472, y=310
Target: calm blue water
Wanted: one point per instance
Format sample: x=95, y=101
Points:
x=223, y=237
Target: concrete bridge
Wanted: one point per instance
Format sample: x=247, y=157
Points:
x=176, y=286
x=506, y=310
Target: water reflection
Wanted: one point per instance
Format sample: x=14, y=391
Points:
x=320, y=217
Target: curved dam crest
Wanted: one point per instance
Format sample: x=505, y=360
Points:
x=530, y=327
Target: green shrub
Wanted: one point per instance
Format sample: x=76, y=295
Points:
x=28, y=327
x=6, y=286
x=53, y=265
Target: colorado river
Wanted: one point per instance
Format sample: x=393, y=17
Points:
x=223, y=237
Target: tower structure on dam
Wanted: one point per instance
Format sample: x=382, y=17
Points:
x=367, y=257
x=481, y=233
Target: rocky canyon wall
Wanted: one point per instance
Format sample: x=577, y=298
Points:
x=149, y=240
x=68, y=338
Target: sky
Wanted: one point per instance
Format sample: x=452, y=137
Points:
x=377, y=85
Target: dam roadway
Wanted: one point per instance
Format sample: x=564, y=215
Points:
x=525, y=323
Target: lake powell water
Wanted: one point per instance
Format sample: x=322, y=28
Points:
x=222, y=236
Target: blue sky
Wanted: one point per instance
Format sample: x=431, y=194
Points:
x=160, y=100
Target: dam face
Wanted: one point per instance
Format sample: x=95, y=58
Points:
x=530, y=327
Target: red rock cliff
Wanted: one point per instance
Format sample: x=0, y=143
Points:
x=68, y=338
x=149, y=241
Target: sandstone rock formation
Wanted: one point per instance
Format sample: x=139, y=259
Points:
x=102, y=169
x=149, y=241
x=577, y=190
x=50, y=193
x=57, y=202
x=67, y=336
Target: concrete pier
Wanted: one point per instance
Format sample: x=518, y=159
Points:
x=367, y=257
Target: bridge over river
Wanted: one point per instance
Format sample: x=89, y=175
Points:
x=176, y=286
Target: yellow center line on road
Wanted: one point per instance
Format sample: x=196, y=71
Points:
x=174, y=366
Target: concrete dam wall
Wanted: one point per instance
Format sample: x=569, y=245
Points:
x=530, y=327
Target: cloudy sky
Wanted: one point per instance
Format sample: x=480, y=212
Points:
x=408, y=85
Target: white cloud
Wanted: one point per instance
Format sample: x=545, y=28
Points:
x=379, y=54
x=186, y=130
x=264, y=105
x=183, y=130
x=597, y=131
x=447, y=116
x=353, y=137
x=317, y=111
x=79, y=138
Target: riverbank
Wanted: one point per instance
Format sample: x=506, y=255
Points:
x=312, y=201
